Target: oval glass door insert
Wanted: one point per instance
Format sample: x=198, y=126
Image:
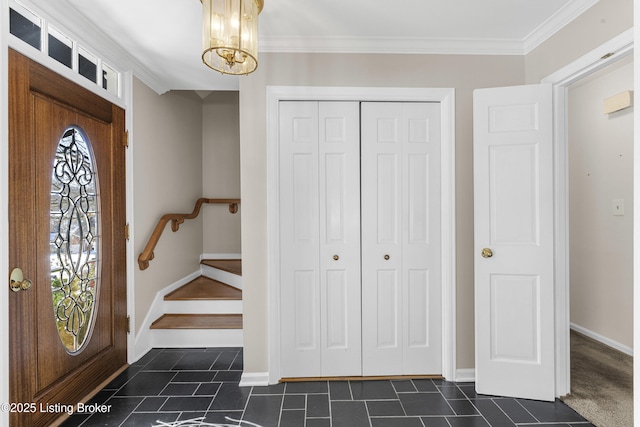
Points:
x=74, y=239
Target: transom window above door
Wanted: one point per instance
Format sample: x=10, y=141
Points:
x=55, y=42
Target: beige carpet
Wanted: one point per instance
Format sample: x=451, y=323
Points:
x=601, y=383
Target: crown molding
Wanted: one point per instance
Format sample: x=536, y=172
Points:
x=446, y=46
x=555, y=23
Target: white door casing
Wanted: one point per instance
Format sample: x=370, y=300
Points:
x=514, y=288
x=445, y=97
x=401, y=287
x=604, y=55
x=320, y=241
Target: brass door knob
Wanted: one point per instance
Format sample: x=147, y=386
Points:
x=336, y=257
x=17, y=282
x=487, y=253
x=387, y=257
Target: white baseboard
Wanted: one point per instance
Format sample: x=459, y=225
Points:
x=604, y=340
x=220, y=256
x=196, y=338
x=465, y=375
x=220, y=275
x=257, y=379
x=262, y=378
x=144, y=341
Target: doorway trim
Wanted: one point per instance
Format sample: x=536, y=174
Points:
x=604, y=55
x=446, y=98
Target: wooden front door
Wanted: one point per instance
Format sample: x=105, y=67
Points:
x=67, y=235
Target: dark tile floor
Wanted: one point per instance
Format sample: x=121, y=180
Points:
x=172, y=385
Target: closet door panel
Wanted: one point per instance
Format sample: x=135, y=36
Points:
x=387, y=196
x=381, y=149
x=304, y=311
x=418, y=309
x=299, y=240
x=421, y=286
x=339, y=166
x=387, y=315
x=401, y=238
x=418, y=194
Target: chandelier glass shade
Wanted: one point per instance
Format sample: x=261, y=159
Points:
x=230, y=35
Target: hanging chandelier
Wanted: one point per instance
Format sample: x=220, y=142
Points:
x=230, y=35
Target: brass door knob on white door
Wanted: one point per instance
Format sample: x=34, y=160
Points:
x=487, y=253
x=336, y=257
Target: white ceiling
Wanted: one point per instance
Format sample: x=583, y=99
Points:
x=164, y=35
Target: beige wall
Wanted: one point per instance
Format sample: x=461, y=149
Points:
x=601, y=169
x=464, y=73
x=603, y=21
x=167, y=153
x=221, y=171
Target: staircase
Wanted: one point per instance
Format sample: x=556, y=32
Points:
x=206, y=312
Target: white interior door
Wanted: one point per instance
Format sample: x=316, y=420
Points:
x=514, y=282
x=320, y=239
x=401, y=238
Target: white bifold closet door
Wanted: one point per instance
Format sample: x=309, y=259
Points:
x=401, y=286
x=320, y=239
x=359, y=239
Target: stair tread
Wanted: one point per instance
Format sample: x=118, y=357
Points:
x=233, y=266
x=204, y=288
x=198, y=321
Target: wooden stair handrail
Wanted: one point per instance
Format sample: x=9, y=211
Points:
x=177, y=219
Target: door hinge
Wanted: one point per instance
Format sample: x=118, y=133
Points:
x=126, y=139
x=128, y=324
x=126, y=232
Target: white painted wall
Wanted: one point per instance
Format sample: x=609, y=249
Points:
x=600, y=170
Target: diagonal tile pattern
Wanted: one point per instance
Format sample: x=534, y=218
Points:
x=173, y=385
